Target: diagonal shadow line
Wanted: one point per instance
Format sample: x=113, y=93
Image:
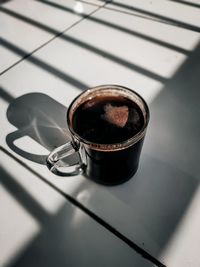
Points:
x=5, y=95
x=116, y=59
x=63, y=76
x=92, y=215
x=89, y=47
x=3, y=1
x=95, y=4
x=186, y=3
x=120, y=28
x=160, y=17
x=25, y=199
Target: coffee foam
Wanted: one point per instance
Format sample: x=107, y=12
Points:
x=117, y=116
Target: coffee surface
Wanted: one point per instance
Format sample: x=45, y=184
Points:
x=107, y=119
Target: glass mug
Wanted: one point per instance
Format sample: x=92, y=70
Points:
x=107, y=141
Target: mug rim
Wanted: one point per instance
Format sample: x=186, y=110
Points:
x=114, y=146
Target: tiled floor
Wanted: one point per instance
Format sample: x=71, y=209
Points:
x=39, y=221
x=22, y=25
x=52, y=50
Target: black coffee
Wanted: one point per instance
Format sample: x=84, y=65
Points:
x=107, y=119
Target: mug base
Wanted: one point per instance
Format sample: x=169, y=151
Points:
x=112, y=182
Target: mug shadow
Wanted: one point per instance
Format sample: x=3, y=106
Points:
x=41, y=118
x=160, y=195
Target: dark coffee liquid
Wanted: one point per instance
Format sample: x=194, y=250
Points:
x=113, y=167
x=107, y=119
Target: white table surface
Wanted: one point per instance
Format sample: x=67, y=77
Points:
x=48, y=55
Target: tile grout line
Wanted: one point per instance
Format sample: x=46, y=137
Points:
x=133, y=13
x=93, y=4
x=85, y=45
x=148, y=17
x=50, y=40
x=118, y=27
x=91, y=214
x=191, y=4
x=137, y=14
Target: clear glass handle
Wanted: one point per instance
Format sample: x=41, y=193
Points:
x=56, y=164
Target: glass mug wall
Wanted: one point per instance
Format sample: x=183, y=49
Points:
x=107, y=125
